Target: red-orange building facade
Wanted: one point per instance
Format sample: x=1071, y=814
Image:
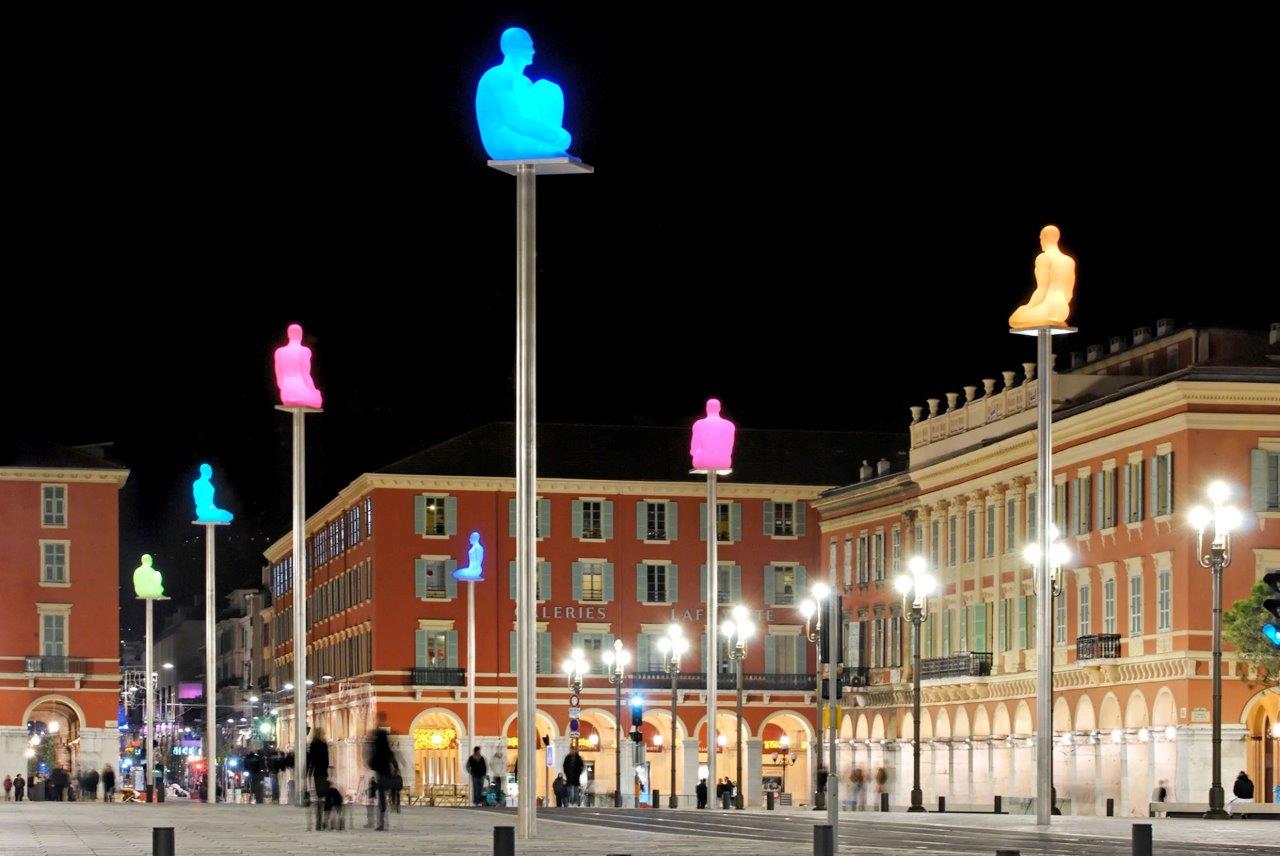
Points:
x=59, y=564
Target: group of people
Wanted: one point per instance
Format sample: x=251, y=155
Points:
x=862, y=781
x=567, y=786
x=486, y=777
x=725, y=792
x=57, y=786
x=385, y=782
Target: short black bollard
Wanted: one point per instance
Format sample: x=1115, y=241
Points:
x=504, y=841
x=1008, y=853
x=768, y=800
x=824, y=840
x=1111, y=807
x=942, y=804
x=884, y=801
x=1142, y=839
x=162, y=841
x=653, y=799
x=998, y=808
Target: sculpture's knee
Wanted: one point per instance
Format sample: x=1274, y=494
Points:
x=548, y=99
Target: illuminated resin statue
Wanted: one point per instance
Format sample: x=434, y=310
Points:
x=519, y=119
x=293, y=373
x=146, y=580
x=474, y=571
x=712, y=446
x=202, y=490
x=1055, y=281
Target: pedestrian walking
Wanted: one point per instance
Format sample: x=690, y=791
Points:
x=60, y=781
x=859, y=781
x=108, y=784
x=573, y=767
x=560, y=789
x=589, y=792
x=91, y=785
x=477, y=768
x=498, y=772
x=882, y=785
x=396, y=786
x=382, y=761
x=8, y=788
x=19, y=786
x=318, y=770
x=1242, y=791
x=726, y=794
x=701, y=791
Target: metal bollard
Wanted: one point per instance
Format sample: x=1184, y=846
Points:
x=768, y=800
x=1142, y=839
x=504, y=841
x=653, y=798
x=884, y=801
x=998, y=808
x=162, y=841
x=1008, y=853
x=1111, y=807
x=824, y=840
x=942, y=804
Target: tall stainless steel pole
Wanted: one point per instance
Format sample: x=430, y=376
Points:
x=833, y=709
x=210, y=668
x=526, y=488
x=299, y=608
x=471, y=664
x=149, y=742
x=712, y=641
x=1044, y=580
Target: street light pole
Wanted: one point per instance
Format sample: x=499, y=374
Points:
x=737, y=632
x=811, y=609
x=672, y=646
x=1224, y=518
x=917, y=587
x=617, y=660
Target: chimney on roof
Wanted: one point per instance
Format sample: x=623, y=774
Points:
x=882, y=467
x=1163, y=327
x=1093, y=353
x=1117, y=344
x=1077, y=359
x=1275, y=333
x=865, y=471
x=1141, y=335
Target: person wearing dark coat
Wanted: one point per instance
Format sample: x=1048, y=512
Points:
x=61, y=781
x=702, y=793
x=477, y=768
x=1242, y=791
x=573, y=767
x=108, y=783
x=91, y=785
x=318, y=768
x=382, y=761
x=19, y=786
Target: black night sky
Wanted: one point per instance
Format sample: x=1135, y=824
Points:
x=821, y=217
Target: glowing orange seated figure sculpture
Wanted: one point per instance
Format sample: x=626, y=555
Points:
x=1055, y=281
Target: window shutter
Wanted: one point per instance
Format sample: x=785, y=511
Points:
x=1151, y=487
x=544, y=653
x=642, y=652
x=735, y=521
x=577, y=640
x=606, y=518
x=1259, y=483
x=544, y=518
x=451, y=648
x=768, y=517
x=608, y=582
x=642, y=583
x=420, y=648
x=672, y=514
x=702, y=521
x=1100, y=505
x=513, y=582
x=544, y=581
x=770, y=655
x=1125, y=492
x=577, y=518
x=735, y=583
x=673, y=583
x=799, y=512
x=577, y=581
x=420, y=577
x=802, y=652
x=511, y=650
x=702, y=583
x=420, y=515
x=1168, y=483
x=450, y=584
x=642, y=520
x=451, y=515
x=769, y=597
x=802, y=584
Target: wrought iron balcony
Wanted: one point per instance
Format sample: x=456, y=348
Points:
x=46, y=665
x=970, y=664
x=751, y=681
x=438, y=676
x=1099, y=646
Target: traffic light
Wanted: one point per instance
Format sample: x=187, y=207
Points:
x=637, y=717
x=1272, y=605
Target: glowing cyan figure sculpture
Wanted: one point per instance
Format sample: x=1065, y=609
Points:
x=293, y=373
x=712, y=446
x=202, y=490
x=519, y=119
x=146, y=580
x=1055, y=282
x=474, y=571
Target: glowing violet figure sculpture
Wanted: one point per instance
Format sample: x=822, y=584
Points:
x=293, y=373
x=519, y=119
x=202, y=490
x=474, y=571
x=712, y=446
x=146, y=580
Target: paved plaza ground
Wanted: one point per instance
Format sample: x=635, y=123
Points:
x=33, y=829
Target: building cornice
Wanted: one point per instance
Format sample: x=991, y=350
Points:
x=104, y=476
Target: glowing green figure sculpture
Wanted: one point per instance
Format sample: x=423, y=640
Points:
x=519, y=119
x=146, y=580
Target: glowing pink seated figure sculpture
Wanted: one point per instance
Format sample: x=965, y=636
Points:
x=712, y=446
x=293, y=373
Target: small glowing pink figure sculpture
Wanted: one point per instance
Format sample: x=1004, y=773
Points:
x=712, y=446
x=293, y=373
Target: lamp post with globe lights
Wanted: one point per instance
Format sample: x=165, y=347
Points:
x=672, y=646
x=916, y=588
x=615, y=662
x=811, y=609
x=737, y=631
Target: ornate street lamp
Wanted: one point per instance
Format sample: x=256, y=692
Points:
x=811, y=609
x=672, y=646
x=574, y=668
x=737, y=632
x=1224, y=518
x=616, y=662
x=916, y=588
x=1059, y=555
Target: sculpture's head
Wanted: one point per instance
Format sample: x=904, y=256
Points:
x=206, y=471
x=146, y=560
x=517, y=46
x=713, y=407
x=1049, y=236
x=475, y=538
x=295, y=334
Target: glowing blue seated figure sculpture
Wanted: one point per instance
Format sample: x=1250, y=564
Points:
x=474, y=571
x=519, y=119
x=202, y=490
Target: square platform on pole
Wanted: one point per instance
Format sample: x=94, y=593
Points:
x=568, y=165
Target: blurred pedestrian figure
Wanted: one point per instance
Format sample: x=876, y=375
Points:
x=561, y=790
x=318, y=770
x=382, y=761
x=573, y=767
x=859, y=782
x=882, y=784
x=19, y=786
x=108, y=783
x=8, y=788
x=477, y=768
x=702, y=793
x=91, y=785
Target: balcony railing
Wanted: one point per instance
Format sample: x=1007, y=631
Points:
x=46, y=665
x=967, y=665
x=438, y=676
x=1099, y=646
x=751, y=681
